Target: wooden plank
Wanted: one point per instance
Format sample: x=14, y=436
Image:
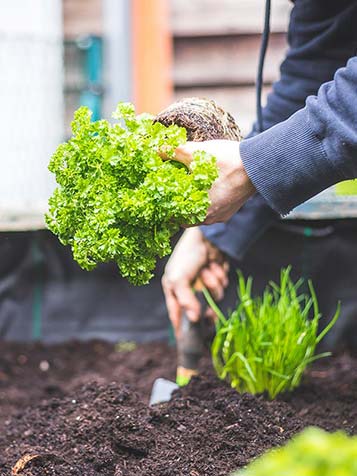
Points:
x=82, y=17
x=239, y=101
x=152, y=55
x=225, y=60
x=210, y=17
x=117, y=54
x=73, y=66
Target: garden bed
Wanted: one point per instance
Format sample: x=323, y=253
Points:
x=81, y=409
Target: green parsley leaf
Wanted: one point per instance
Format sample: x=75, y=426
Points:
x=116, y=199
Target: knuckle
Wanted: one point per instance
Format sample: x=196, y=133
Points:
x=168, y=281
x=165, y=282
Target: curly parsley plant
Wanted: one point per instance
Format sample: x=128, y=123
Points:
x=116, y=199
x=313, y=452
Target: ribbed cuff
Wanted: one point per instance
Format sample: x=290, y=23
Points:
x=217, y=235
x=238, y=234
x=287, y=163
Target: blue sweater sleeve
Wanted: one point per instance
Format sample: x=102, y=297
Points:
x=312, y=150
x=322, y=37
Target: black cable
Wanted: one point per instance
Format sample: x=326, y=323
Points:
x=263, y=50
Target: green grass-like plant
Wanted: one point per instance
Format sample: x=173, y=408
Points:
x=266, y=343
x=313, y=452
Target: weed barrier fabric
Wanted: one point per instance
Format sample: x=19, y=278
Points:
x=45, y=295
x=94, y=426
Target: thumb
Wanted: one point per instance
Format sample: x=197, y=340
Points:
x=188, y=301
x=183, y=154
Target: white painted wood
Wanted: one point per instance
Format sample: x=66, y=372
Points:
x=117, y=54
x=31, y=119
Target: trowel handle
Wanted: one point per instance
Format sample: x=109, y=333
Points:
x=190, y=345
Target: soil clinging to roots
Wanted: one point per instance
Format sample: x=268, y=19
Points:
x=202, y=118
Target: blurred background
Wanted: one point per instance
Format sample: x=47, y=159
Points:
x=57, y=55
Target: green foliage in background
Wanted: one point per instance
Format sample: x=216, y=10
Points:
x=117, y=200
x=312, y=453
x=267, y=342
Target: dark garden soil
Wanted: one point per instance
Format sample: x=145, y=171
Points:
x=81, y=410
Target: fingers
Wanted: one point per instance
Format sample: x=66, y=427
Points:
x=232, y=187
x=215, y=279
x=164, y=152
x=188, y=301
x=212, y=283
x=192, y=254
x=221, y=271
x=180, y=298
x=173, y=308
x=211, y=315
x=183, y=154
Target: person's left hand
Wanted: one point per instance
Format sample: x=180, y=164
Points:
x=194, y=258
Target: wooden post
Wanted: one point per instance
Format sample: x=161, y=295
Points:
x=152, y=55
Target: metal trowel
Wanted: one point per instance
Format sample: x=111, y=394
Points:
x=190, y=348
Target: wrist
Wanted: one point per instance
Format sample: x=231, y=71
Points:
x=213, y=253
x=244, y=186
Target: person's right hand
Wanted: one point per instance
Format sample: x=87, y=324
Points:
x=232, y=188
x=193, y=257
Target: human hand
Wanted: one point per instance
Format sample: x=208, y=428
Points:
x=233, y=186
x=193, y=257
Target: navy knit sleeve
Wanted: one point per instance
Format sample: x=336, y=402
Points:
x=322, y=37
x=312, y=150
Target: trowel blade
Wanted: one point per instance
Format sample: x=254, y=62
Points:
x=162, y=391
